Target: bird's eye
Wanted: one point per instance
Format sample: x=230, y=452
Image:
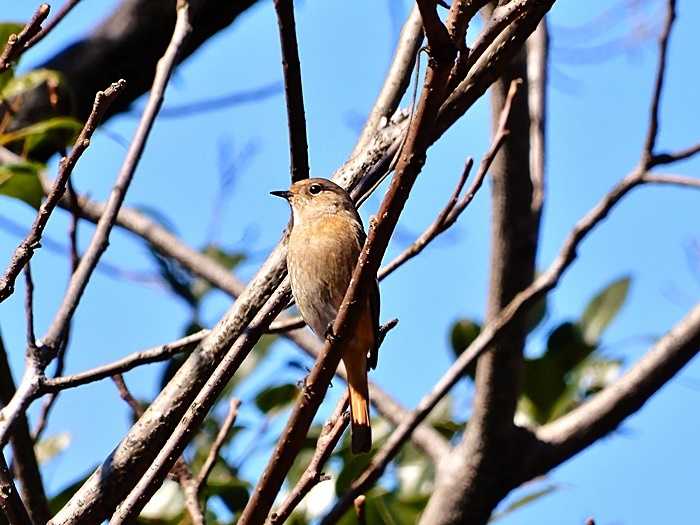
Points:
x=315, y=189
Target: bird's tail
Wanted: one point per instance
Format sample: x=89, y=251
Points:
x=361, y=431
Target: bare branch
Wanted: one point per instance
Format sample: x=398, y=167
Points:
x=407, y=170
x=29, y=305
x=24, y=462
x=313, y=474
x=99, y=241
x=18, y=43
x=537, y=69
x=674, y=156
x=673, y=180
x=653, y=131
x=298, y=146
x=396, y=81
x=67, y=7
x=26, y=248
x=219, y=441
x=152, y=355
x=197, y=411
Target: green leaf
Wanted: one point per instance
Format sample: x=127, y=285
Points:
x=276, y=398
x=23, y=83
x=525, y=500
x=567, y=347
x=57, y=130
x=536, y=314
x=50, y=447
x=602, y=309
x=462, y=335
x=21, y=181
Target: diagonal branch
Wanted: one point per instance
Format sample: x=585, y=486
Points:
x=409, y=165
x=19, y=43
x=331, y=433
x=396, y=81
x=298, y=146
x=10, y=502
x=31, y=242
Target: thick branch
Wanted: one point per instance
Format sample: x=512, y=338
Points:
x=298, y=146
x=601, y=415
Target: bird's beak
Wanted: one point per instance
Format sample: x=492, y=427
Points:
x=284, y=194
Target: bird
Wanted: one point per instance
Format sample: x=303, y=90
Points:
x=325, y=239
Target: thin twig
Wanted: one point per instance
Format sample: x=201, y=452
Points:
x=29, y=305
x=219, y=441
x=100, y=239
x=125, y=394
x=31, y=242
x=67, y=7
x=380, y=231
x=331, y=433
x=298, y=146
x=653, y=131
x=152, y=355
x=17, y=43
x=197, y=411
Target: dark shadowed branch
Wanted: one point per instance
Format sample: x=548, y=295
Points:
x=298, y=145
x=10, y=502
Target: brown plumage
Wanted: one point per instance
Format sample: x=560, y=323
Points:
x=325, y=241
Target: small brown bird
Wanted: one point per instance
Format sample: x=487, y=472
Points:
x=324, y=244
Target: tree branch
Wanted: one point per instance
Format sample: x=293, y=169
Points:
x=31, y=242
x=396, y=81
x=194, y=415
x=653, y=131
x=407, y=169
x=601, y=415
x=219, y=441
x=19, y=43
x=67, y=8
x=152, y=355
x=25, y=465
x=331, y=433
x=298, y=146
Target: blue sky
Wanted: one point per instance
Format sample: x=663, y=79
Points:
x=598, y=107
